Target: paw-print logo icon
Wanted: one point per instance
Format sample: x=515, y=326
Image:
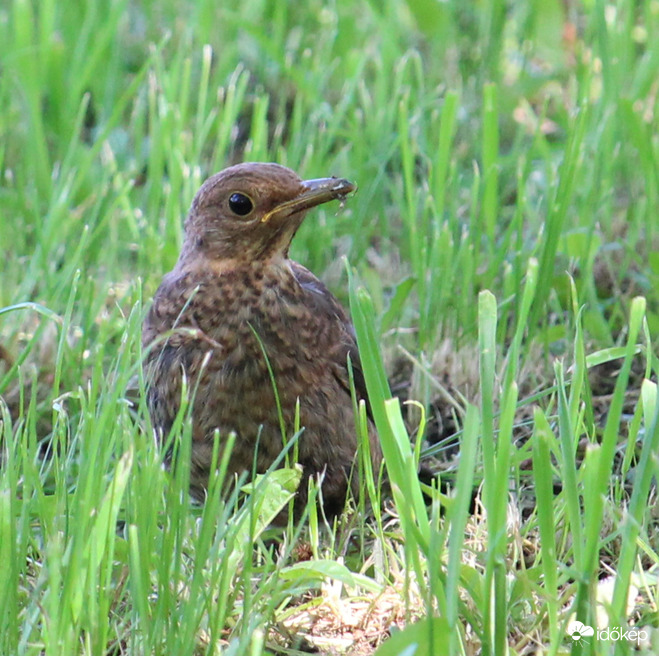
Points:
x=579, y=630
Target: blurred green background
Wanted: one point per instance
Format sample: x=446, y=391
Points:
x=486, y=138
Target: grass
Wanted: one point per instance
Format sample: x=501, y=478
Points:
x=503, y=273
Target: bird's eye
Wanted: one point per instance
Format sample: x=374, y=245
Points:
x=240, y=204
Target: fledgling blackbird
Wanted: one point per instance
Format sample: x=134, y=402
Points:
x=234, y=281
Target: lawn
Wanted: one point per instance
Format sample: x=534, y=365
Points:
x=501, y=263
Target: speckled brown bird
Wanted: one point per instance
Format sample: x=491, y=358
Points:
x=234, y=281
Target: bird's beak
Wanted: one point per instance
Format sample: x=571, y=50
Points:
x=314, y=192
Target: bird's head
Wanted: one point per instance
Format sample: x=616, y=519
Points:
x=253, y=210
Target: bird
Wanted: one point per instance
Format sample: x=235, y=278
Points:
x=256, y=338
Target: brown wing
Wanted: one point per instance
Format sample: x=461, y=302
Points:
x=324, y=303
x=168, y=352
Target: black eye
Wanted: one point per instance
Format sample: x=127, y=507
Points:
x=240, y=204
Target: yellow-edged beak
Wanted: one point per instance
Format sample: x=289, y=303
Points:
x=315, y=192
